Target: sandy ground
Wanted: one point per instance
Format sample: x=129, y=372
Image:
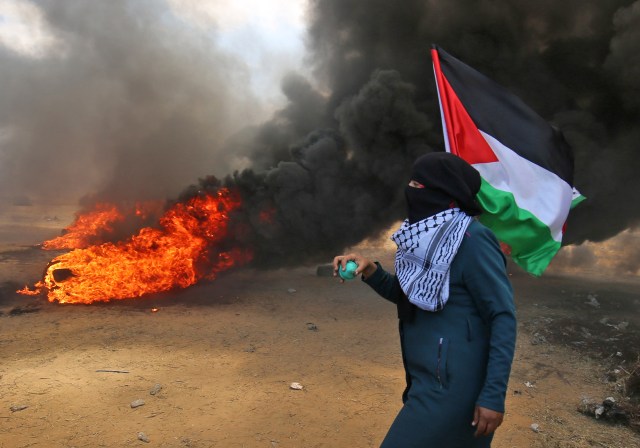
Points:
x=226, y=353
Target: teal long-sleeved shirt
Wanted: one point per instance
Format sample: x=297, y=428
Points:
x=459, y=356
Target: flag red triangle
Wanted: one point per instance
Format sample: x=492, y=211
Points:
x=465, y=139
x=467, y=142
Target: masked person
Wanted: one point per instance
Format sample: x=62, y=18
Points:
x=455, y=308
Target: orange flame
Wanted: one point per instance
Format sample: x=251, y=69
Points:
x=176, y=255
x=85, y=227
x=95, y=226
x=28, y=292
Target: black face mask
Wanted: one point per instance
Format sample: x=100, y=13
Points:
x=424, y=202
x=447, y=179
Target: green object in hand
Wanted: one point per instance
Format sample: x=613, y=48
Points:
x=349, y=272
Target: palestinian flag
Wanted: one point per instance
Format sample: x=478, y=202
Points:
x=526, y=165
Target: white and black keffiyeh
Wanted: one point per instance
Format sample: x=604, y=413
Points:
x=425, y=251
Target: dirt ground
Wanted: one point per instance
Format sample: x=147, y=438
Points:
x=226, y=352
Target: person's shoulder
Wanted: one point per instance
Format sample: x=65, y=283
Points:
x=477, y=230
x=479, y=237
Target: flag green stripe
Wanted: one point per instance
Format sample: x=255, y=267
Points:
x=532, y=246
x=578, y=199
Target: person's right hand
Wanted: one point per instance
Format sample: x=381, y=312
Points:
x=365, y=266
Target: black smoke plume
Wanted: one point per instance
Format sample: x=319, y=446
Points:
x=576, y=63
x=335, y=186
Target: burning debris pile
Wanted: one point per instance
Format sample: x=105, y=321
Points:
x=189, y=244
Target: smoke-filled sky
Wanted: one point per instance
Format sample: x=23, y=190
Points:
x=133, y=98
x=140, y=98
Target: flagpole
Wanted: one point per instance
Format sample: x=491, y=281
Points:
x=444, y=108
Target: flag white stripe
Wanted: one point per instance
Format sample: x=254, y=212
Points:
x=535, y=189
x=575, y=194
